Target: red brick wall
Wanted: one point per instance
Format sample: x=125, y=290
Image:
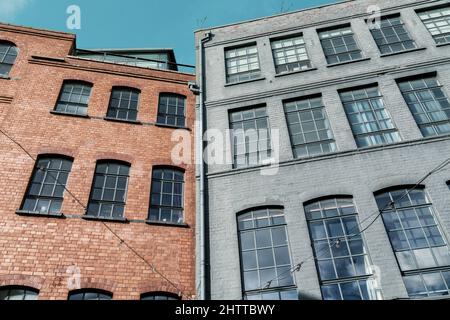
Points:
x=37, y=251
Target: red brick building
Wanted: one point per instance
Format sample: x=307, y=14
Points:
x=74, y=212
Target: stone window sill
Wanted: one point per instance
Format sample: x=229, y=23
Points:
x=122, y=120
x=60, y=113
x=167, y=224
x=246, y=81
x=39, y=214
x=400, y=52
x=105, y=219
x=346, y=62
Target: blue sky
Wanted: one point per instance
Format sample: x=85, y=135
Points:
x=143, y=23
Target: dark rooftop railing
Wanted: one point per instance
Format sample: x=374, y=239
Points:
x=135, y=61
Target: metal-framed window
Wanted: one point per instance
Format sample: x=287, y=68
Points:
x=159, y=296
x=428, y=103
x=265, y=256
x=290, y=54
x=74, y=98
x=339, y=45
x=18, y=293
x=90, y=294
x=171, y=110
x=124, y=104
x=167, y=195
x=370, y=121
x=8, y=56
x=45, y=192
x=250, y=135
x=392, y=36
x=421, y=250
x=341, y=256
x=109, y=190
x=437, y=22
x=242, y=63
x=309, y=128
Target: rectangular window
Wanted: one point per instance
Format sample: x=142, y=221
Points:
x=171, y=110
x=290, y=54
x=429, y=105
x=74, y=98
x=242, y=64
x=339, y=45
x=109, y=190
x=124, y=104
x=437, y=22
x=417, y=241
x=392, y=36
x=309, y=127
x=370, y=121
x=46, y=190
x=339, y=249
x=265, y=256
x=250, y=135
x=167, y=196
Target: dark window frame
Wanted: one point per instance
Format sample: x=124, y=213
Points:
x=357, y=51
x=163, y=296
x=383, y=134
x=114, y=111
x=85, y=291
x=162, y=181
x=344, y=240
x=112, y=203
x=382, y=30
x=77, y=105
x=418, y=271
x=26, y=289
x=242, y=76
x=166, y=115
x=329, y=141
x=56, y=183
x=437, y=37
x=8, y=65
x=290, y=66
x=278, y=290
x=248, y=156
x=432, y=124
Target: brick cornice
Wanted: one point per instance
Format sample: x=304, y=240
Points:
x=128, y=73
x=38, y=32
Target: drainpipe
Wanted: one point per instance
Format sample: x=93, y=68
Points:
x=202, y=188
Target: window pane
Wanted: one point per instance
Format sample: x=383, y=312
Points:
x=167, y=195
x=109, y=192
x=265, y=255
x=122, y=106
x=428, y=104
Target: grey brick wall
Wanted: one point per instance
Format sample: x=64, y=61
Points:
x=350, y=171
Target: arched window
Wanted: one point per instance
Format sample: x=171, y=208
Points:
x=159, y=296
x=90, y=294
x=124, y=104
x=422, y=251
x=45, y=192
x=8, y=55
x=171, y=110
x=265, y=255
x=18, y=293
x=339, y=250
x=167, y=195
x=109, y=190
x=74, y=98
